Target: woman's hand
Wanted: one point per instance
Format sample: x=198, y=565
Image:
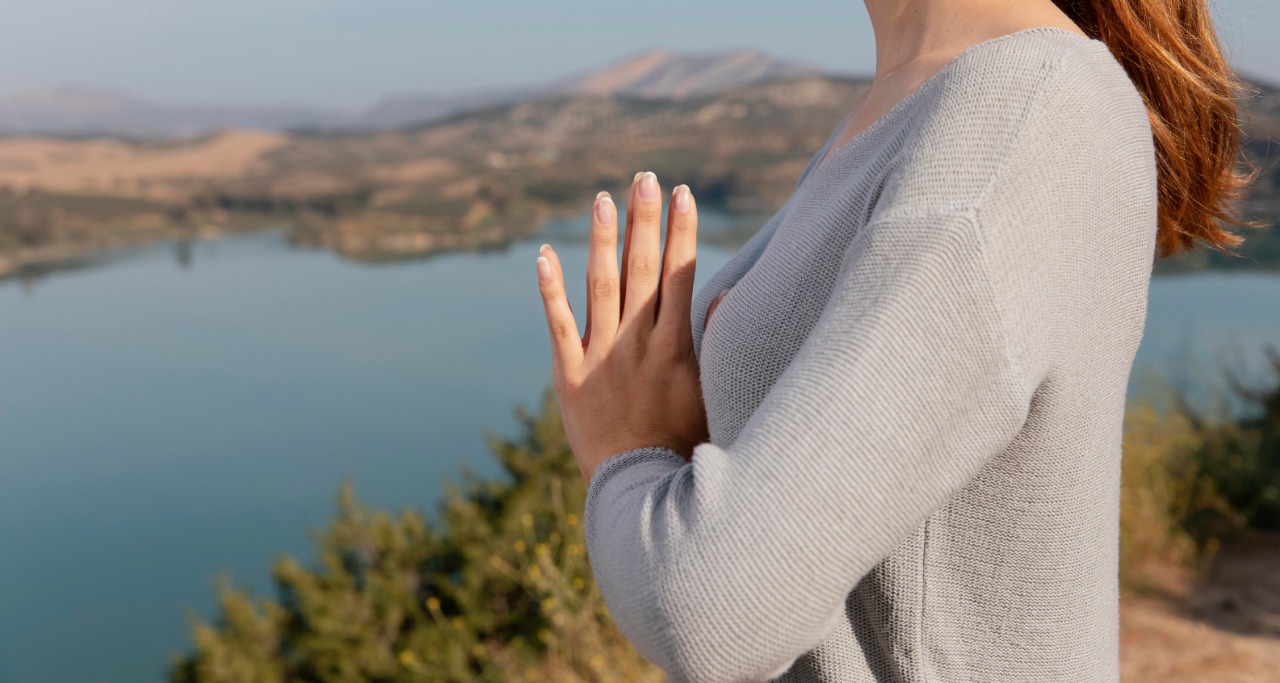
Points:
x=632, y=380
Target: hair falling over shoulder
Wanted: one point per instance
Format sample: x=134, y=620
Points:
x=1170, y=50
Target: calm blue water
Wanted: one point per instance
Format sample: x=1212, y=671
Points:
x=172, y=413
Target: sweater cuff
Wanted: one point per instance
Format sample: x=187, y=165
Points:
x=620, y=473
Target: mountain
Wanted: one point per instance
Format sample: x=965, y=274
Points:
x=471, y=180
x=662, y=74
x=398, y=111
x=474, y=180
x=658, y=74
x=71, y=111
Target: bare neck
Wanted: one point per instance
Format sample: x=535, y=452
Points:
x=914, y=34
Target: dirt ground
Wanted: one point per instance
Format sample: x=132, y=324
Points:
x=1221, y=628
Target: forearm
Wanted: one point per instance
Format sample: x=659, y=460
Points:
x=687, y=589
x=730, y=566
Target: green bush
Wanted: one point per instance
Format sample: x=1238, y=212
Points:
x=497, y=588
x=1240, y=460
x=1192, y=482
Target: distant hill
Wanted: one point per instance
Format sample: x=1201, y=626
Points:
x=469, y=180
x=74, y=111
x=657, y=74
x=398, y=111
x=472, y=178
x=661, y=74
x=1261, y=138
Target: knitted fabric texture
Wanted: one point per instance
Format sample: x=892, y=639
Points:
x=914, y=390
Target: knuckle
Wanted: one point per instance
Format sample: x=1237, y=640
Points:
x=666, y=344
x=648, y=211
x=628, y=351
x=604, y=236
x=604, y=288
x=549, y=291
x=644, y=265
x=683, y=226
x=562, y=330
x=639, y=350
x=569, y=389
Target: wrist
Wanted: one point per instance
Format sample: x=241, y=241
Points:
x=681, y=449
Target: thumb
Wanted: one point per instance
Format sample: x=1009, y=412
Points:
x=712, y=307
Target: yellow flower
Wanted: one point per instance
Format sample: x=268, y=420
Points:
x=526, y=519
x=571, y=519
x=407, y=658
x=544, y=635
x=457, y=623
x=477, y=650
x=520, y=546
x=534, y=572
x=579, y=583
x=542, y=549
x=548, y=603
x=433, y=604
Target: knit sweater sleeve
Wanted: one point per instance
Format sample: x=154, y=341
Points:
x=731, y=566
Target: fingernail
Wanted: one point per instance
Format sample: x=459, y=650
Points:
x=544, y=269
x=649, y=185
x=604, y=209
x=638, y=174
x=544, y=247
x=602, y=193
x=682, y=198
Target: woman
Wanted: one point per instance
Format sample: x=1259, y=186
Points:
x=893, y=453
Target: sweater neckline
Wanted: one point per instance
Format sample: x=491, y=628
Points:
x=904, y=103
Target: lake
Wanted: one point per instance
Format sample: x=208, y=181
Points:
x=179, y=410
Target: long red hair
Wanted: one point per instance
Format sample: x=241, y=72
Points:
x=1170, y=50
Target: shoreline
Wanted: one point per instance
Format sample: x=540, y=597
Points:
x=350, y=239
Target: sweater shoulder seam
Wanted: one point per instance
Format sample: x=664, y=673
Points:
x=969, y=217
x=1034, y=112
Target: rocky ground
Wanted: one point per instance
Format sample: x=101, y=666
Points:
x=1223, y=627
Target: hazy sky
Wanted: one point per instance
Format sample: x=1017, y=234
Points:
x=347, y=53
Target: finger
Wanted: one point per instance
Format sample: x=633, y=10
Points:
x=626, y=240
x=711, y=308
x=566, y=345
x=678, y=261
x=602, y=276
x=586, y=338
x=558, y=268
x=644, y=262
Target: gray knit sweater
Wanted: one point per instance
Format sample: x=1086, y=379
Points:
x=914, y=390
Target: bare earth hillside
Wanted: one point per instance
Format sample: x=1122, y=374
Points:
x=466, y=181
x=1224, y=628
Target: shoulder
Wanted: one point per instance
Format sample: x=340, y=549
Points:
x=1044, y=145
x=1033, y=87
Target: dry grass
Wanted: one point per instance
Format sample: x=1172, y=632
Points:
x=113, y=167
